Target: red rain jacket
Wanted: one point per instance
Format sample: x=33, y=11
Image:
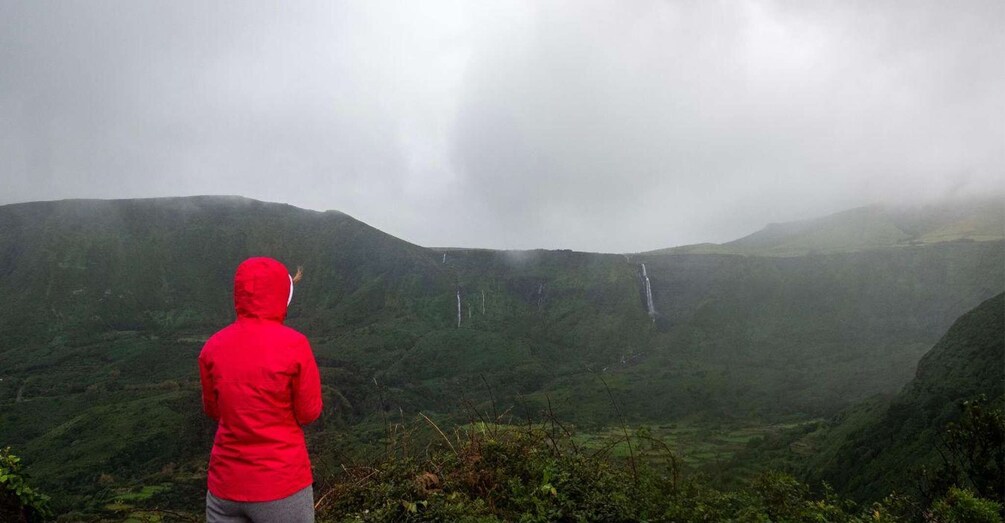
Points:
x=261, y=383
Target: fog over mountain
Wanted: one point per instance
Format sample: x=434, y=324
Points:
x=600, y=126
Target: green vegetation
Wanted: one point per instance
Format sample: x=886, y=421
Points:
x=541, y=472
x=888, y=449
x=107, y=304
x=868, y=228
x=18, y=500
x=961, y=506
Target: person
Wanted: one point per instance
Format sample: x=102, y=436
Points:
x=261, y=384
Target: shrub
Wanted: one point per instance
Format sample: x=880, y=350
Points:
x=18, y=501
x=513, y=475
x=531, y=474
x=962, y=506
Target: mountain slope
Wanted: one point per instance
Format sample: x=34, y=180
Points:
x=884, y=451
x=108, y=303
x=870, y=227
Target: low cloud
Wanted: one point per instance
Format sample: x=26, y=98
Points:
x=598, y=126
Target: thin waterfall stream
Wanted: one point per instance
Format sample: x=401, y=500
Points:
x=650, y=308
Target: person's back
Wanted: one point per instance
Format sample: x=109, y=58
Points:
x=261, y=383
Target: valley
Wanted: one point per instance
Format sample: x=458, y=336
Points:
x=729, y=354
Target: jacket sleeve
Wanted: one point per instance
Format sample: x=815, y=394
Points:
x=306, y=386
x=209, y=403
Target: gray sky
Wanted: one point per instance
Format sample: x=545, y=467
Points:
x=603, y=126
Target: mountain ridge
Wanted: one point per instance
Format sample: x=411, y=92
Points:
x=108, y=303
x=867, y=227
x=972, y=219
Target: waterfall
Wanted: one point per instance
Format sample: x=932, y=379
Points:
x=444, y=257
x=458, y=308
x=650, y=308
x=483, y=303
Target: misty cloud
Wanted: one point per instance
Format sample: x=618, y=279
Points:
x=589, y=125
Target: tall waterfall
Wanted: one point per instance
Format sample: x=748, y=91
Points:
x=458, y=308
x=650, y=308
x=444, y=257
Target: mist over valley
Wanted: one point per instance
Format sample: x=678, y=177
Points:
x=109, y=303
x=552, y=261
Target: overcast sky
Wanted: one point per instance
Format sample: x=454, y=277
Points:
x=602, y=126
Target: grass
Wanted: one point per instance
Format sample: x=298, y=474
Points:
x=109, y=379
x=699, y=445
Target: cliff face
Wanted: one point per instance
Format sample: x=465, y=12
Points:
x=107, y=303
x=886, y=451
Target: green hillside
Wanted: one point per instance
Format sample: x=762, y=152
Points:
x=885, y=449
x=872, y=227
x=109, y=302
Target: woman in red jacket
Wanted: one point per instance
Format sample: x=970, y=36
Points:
x=261, y=383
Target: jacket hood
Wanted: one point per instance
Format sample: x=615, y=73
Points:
x=262, y=289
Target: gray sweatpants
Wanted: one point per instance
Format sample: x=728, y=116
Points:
x=295, y=508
